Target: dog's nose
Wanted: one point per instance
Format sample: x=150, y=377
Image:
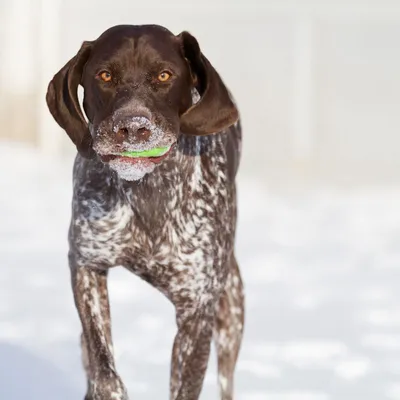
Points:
x=137, y=128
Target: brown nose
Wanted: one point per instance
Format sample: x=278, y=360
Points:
x=136, y=128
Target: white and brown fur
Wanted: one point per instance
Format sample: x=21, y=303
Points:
x=174, y=228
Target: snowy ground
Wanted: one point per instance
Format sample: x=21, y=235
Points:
x=322, y=272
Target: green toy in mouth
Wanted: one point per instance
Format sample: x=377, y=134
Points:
x=156, y=152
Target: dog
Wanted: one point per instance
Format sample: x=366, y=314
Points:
x=158, y=149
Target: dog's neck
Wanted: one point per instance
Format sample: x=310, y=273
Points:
x=171, y=186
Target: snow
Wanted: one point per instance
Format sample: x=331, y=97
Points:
x=321, y=268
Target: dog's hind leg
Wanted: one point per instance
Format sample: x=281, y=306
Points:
x=91, y=299
x=191, y=352
x=228, y=329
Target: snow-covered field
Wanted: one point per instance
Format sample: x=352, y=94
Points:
x=322, y=275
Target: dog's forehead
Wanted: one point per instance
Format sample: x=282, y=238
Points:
x=150, y=39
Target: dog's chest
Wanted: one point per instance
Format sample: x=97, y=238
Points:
x=188, y=223
x=169, y=220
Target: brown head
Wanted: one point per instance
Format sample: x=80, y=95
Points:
x=138, y=83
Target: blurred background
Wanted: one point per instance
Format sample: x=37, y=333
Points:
x=318, y=88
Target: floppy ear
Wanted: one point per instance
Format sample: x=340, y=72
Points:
x=63, y=103
x=215, y=111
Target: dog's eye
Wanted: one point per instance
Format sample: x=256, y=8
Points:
x=164, y=76
x=105, y=76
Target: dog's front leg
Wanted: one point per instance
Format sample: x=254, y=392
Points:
x=91, y=300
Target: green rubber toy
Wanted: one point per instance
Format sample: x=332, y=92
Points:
x=156, y=152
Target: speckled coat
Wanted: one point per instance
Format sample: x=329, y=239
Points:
x=174, y=228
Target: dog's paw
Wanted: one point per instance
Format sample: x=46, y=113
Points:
x=108, y=387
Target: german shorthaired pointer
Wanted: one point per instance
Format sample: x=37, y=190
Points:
x=154, y=192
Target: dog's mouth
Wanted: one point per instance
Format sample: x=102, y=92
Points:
x=154, y=155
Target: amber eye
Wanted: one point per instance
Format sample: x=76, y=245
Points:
x=164, y=76
x=105, y=76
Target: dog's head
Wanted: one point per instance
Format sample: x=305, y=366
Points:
x=138, y=83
